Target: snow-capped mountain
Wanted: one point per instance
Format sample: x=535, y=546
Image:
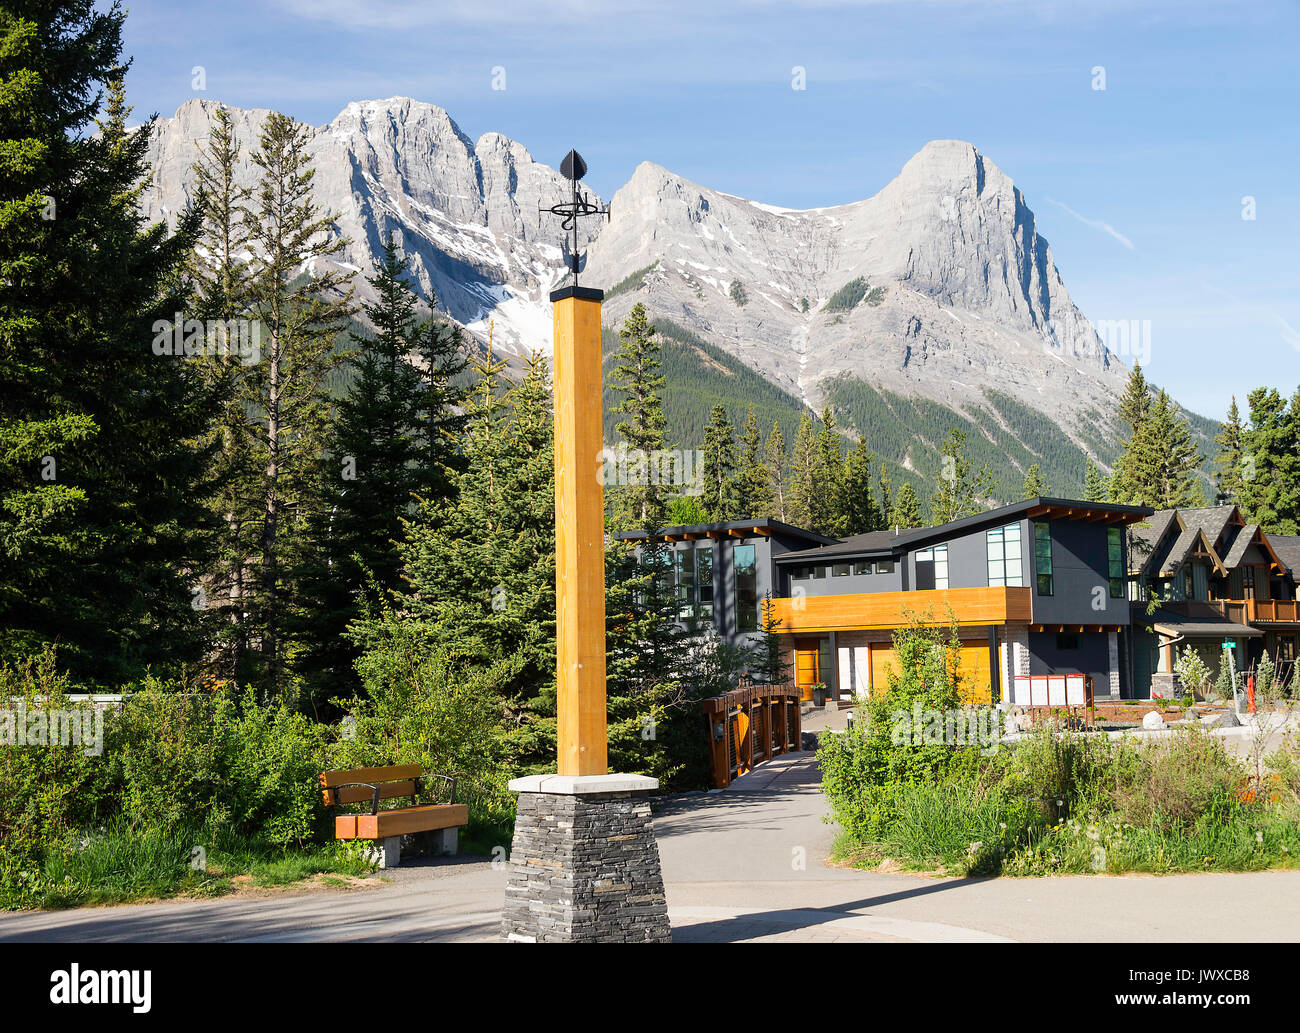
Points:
x=937, y=285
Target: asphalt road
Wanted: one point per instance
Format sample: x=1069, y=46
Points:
x=742, y=865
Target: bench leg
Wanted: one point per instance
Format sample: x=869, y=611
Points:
x=443, y=841
x=387, y=853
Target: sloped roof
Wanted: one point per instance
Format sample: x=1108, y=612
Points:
x=1212, y=520
x=1145, y=537
x=1184, y=545
x=1238, y=551
x=1176, y=624
x=1287, y=547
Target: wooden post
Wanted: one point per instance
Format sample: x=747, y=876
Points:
x=579, y=534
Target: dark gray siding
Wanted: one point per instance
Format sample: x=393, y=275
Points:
x=1079, y=566
x=1092, y=657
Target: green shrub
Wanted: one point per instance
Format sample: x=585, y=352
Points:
x=1179, y=780
x=46, y=791
x=863, y=767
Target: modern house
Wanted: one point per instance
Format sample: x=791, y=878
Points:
x=1036, y=588
x=1219, y=582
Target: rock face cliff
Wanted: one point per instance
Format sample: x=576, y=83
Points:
x=464, y=213
x=938, y=285
x=961, y=293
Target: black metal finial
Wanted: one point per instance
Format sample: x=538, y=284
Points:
x=573, y=168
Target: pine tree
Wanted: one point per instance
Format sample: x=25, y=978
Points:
x=102, y=463
x=858, y=512
x=907, y=509
x=1095, y=488
x=754, y=479
x=1134, y=408
x=961, y=488
x=637, y=377
x=1228, y=460
x=801, y=504
x=718, y=467
x=379, y=461
x=287, y=391
x=1269, y=485
x=221, y=275
x=886, y=499
x=775, y=460
x=1161, y=460
x=479, y=565
x=828, y=479
x=1034, y=486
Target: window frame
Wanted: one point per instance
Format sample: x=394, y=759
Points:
x=1005, y=581
x=1115, y=561
x=1043, y=577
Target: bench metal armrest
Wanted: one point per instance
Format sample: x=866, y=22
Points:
x=374, y=800
x=445, y=778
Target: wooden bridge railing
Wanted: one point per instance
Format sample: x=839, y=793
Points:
x=749, y=725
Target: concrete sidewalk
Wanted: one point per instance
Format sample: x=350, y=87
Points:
x=744, y=865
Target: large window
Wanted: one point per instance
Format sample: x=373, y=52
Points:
x=704, y=581
x=1115, y=561
x=1043, y=557
x=684, y=564
x=932, y=560
x=746, y=577
x=1003, y=548
x=688, y=575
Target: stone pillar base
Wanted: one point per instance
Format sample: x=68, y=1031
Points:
x=584, y=865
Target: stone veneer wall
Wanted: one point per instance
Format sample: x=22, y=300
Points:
x=585, y=869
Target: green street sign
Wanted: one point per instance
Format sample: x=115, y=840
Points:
x=1229, y=644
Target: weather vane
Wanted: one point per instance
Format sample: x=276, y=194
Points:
x=573, y=168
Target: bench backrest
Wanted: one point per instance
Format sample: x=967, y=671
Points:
x=398, y=780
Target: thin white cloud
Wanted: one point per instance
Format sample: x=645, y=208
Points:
x=1096, y=224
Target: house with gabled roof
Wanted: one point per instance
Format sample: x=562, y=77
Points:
x=1205, y=579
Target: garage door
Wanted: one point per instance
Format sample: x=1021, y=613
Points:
x=883, y=659
x=974, y=682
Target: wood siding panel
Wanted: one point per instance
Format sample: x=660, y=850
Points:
x=868, y=610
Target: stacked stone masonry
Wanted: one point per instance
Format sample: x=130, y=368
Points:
x=585, y=869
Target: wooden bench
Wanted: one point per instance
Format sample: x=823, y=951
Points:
x=438, y=823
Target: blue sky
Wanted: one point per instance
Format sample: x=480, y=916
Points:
x=1139, y=187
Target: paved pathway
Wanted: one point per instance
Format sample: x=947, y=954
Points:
x=742, y=865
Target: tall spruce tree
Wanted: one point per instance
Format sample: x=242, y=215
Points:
x=479, y=564
x=1034, y=486
x=1134, y=407
x=802, y=504
x=301, y=313
x=718, y=467
x=858, y=511
x=1160, y=461
x=774, y=456
x=102, y=459
x=221, y=276
x=1269, y=485
x=754, y=477
x=1228, y=467
x=1095, y=488
x=637, y=377
x=906, y=511
x=961, y=488
x=381, y=457
x=828, y=479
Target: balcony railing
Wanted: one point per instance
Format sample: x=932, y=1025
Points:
x=1250, y=611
